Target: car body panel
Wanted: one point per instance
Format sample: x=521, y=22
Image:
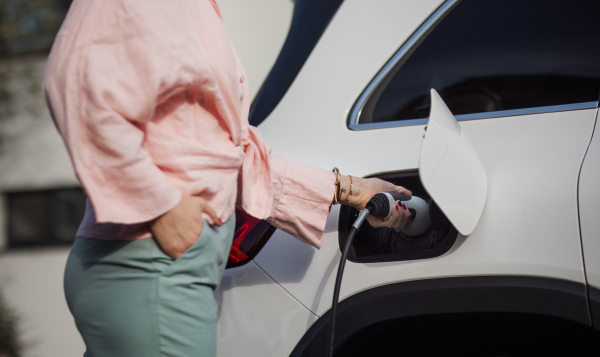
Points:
x=249, y=297
x=450, y=169
x=529, y=225
x=589, y=210
x=342, y=64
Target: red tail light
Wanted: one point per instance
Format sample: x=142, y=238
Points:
x=250, y=236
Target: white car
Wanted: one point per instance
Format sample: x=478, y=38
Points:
x=511, y=265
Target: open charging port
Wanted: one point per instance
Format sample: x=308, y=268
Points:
x=384, y=244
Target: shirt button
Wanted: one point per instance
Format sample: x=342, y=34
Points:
x=242, y=78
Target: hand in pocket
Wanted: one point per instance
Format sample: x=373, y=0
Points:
x=179, y=228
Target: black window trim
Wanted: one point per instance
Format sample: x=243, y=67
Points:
x=48, y=240
x=404, y=53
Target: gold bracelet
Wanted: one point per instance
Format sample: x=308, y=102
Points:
x=336, y=195
x=349, y=193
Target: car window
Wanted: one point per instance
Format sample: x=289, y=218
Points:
x=494, y=55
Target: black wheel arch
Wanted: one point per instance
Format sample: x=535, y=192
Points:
x=539, y=296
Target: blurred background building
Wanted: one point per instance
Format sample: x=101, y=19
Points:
x=41, y=202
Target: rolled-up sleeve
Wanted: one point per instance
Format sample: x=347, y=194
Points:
x=302, y=196
x=296, y=198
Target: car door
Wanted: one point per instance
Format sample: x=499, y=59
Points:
x=589, y=211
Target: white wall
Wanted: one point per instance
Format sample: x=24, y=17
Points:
x=32, y=156
x=31, y=281
x=257, y=29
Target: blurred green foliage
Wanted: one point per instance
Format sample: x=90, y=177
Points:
x=27, y=27
x=10, y=345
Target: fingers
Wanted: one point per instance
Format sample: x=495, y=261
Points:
x=212, y=214
x=398, y=220
x=374, y=221
x=390, y=187
x=179, y=228
x=404, y=191
x=404, y=218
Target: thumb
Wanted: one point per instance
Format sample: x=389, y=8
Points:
x=212, y=214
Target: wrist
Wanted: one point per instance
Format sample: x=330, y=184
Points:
x=345, y=189
x=352, y=189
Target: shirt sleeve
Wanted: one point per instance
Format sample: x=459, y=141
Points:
x=300, y=194
x=302, y=197
x=107, y=74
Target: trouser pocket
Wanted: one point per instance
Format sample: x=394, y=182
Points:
x=130, y=299
x=187, y=310
x=205, y=260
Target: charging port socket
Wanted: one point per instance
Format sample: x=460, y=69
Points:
x=384, y=244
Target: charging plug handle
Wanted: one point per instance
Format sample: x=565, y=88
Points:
x=381, y=204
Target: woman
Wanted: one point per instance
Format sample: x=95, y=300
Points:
x=152, y=103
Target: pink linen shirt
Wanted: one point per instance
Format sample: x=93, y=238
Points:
x=152, y=103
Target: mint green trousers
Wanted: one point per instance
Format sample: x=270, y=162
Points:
x=130, y=299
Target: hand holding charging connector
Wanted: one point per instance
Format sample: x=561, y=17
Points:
x=382, y=205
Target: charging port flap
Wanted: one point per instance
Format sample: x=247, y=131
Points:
x=450, y=169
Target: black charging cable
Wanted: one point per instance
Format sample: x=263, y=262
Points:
x=379, y=206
